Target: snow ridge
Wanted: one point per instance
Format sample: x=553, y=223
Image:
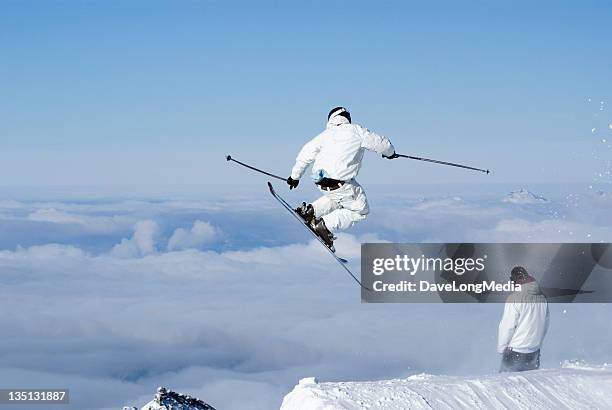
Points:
x=567, y=388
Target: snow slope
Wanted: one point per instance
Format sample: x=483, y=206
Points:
x=567, y=388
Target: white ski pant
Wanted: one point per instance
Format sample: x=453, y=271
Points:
x=342, y=207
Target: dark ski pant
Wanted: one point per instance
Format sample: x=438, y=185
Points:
x=519, y=362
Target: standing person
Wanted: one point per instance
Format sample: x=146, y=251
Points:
x=523, y=325
x=336, y=155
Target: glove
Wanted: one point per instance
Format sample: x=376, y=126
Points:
x=394, y=155
x=293, y=183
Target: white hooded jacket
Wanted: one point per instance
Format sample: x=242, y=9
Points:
x=338, y=151
x=525, y=320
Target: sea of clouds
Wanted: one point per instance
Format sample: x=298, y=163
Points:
x=222, y=296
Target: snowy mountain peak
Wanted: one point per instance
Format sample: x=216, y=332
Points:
x=168, y=400
x=524, y=196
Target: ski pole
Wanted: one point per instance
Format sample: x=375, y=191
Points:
x=435, y=161
x=229, y=158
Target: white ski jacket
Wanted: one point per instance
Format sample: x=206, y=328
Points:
x=338, y=151
x=525, y=320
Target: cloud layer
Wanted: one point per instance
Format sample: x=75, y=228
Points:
x=235, y=305
x=200, y=233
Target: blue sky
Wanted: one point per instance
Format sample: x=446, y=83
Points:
x=113, y=92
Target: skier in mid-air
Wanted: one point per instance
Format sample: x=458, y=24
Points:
x=336, y=155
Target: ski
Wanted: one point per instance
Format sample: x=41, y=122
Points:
x=343, y=262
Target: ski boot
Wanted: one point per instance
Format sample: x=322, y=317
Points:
x=306, y=212
x=319, y=228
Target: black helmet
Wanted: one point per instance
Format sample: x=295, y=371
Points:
x=343, y=112
x=518, y=273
